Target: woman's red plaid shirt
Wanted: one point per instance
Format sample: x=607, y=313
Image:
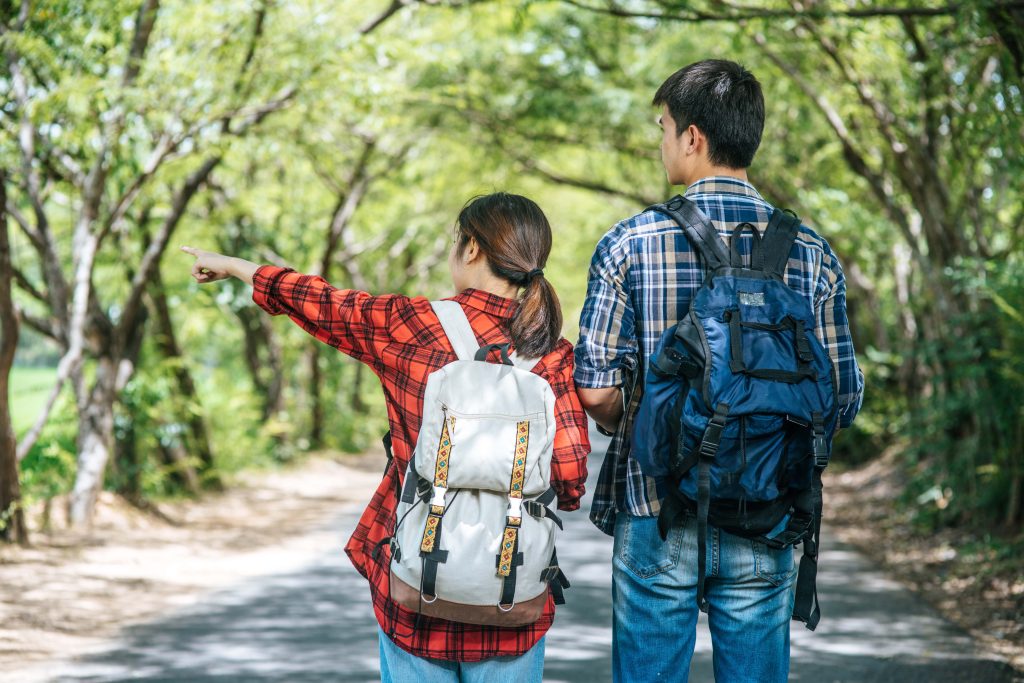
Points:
x=401, y=339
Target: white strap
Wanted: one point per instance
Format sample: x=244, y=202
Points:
x=523, y=363
x=460, y=333
x=456, y=328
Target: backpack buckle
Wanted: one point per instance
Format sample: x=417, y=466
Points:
x=713, y=433
x=515, y=510
x=820, y=450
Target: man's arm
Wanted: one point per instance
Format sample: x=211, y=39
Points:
x=607, y=332
x=604, y=405
x=833, y=330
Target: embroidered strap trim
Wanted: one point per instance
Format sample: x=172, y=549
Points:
x=514, y=517
x=444, y=451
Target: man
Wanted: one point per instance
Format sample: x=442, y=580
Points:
x=642, y=278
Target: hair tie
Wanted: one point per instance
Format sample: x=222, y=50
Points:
x=536, y=272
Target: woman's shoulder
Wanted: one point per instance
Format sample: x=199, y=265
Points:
x=558, y=359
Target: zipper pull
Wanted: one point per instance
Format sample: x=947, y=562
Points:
x=450, y=419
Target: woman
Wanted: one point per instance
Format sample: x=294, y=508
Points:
x=502, y=242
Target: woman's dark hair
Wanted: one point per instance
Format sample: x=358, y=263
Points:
x=724, y=101
x=514, y=234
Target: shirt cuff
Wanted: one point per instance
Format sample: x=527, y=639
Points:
x=587, y=378
x=264, y=282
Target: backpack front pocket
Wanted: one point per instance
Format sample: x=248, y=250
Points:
x=492, y=452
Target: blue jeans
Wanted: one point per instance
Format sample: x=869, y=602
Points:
x=398, y=666
x=749, y=589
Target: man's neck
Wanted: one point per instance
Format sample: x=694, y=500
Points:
x=709, y=171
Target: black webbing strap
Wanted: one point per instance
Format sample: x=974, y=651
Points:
x=805, y=603
x=415, y=487
x=707, y=452
x=555, y=578
x=698, y=229
x=736, y=363
x=481, y=354
x=391, y=461
x=431, y=560
x=540, y=511
x=508, y=583
x=756, y=252
x=777, y=241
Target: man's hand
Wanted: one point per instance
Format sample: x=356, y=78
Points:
x=604, y=405
x=211, y=266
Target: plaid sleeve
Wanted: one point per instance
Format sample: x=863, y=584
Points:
x=607, y=333
x=572, y=442
x=833, y=330
x=354, y=322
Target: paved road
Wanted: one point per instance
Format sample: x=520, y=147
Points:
x=316, y=625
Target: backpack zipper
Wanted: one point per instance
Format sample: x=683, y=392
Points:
x=488, y=416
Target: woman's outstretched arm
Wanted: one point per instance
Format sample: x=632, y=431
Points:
x=211, y=266
x=353, y=322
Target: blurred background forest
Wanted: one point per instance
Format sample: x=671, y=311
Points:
x=342, y=137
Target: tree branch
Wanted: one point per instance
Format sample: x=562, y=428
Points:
x=690, y=15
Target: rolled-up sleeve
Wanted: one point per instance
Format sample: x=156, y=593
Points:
x=572, y=441
x=833, y=330
x=607, y=330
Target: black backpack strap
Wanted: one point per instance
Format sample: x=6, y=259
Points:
x=706, y=453
x=698, y=229
x=805, y=604
x=756, y=250
x=777, y=241
x=555, y=578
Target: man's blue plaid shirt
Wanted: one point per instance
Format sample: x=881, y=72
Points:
x=641, y=279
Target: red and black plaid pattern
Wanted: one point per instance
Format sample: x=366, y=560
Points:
x=403, y=341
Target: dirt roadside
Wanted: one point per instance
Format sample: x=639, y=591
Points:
x=981, y=595
x=68, y=594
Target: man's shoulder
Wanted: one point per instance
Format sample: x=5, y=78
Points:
x=650, y=220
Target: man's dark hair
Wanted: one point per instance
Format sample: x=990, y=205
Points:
x=724, y=101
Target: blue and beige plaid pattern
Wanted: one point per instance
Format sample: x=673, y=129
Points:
x=641, y=279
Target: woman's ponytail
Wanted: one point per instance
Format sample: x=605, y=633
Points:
x=514, y=235
x=537, y=325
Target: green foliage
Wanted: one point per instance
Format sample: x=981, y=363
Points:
x=444, y=102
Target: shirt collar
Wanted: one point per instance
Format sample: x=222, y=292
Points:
x=722, y=185
x=488, y=303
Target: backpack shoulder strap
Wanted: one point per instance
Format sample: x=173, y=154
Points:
x=698, y=229
x=457, y=328
x=523, y=363
x=777, y=241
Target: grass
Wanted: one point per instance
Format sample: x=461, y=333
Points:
x=29, y=390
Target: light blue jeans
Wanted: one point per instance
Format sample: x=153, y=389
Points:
x=749, y=589
x=398, y=666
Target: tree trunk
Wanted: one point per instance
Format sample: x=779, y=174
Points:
x=199, y=439
x=12, y=516
x=316, y=381
x=263, y=358
x=95, y=439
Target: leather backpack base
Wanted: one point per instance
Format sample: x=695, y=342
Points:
x=522, y=614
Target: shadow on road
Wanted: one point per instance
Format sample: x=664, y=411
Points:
x=317, y=625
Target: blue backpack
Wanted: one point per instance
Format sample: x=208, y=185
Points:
x=739, y=403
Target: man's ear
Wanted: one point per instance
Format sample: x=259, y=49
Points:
x=697, y=142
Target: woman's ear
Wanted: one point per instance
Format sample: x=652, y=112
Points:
x=471, y=252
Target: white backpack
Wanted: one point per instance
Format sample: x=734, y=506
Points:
x=474, y=540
